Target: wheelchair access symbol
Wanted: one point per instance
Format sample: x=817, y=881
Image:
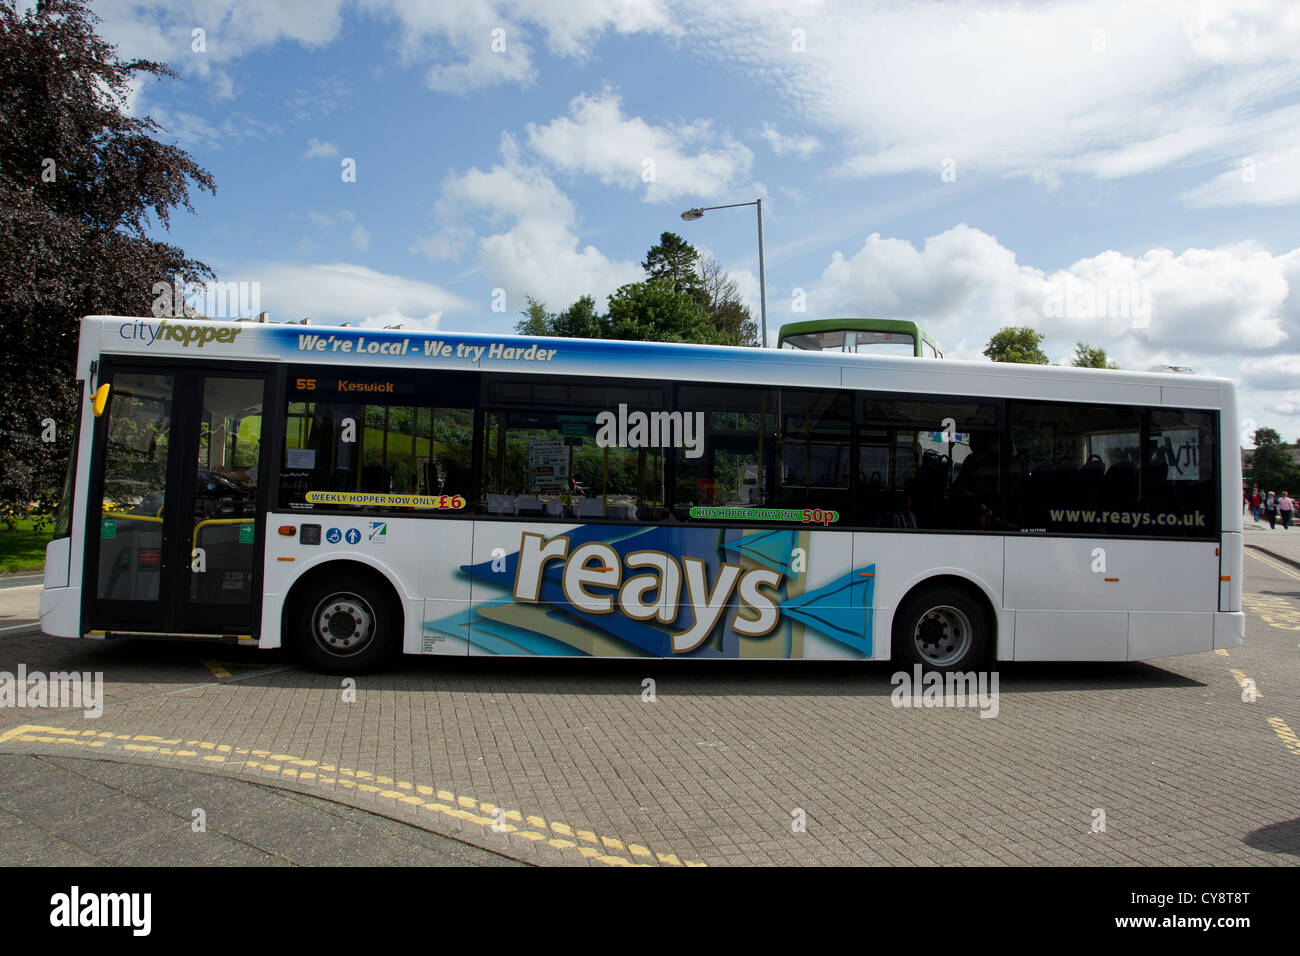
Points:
x=333, y=535
x=353, y=536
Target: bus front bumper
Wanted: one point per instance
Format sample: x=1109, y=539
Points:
x=61, y=612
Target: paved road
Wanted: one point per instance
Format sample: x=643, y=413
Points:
x=565, y=762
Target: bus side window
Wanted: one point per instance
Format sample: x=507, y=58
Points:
x=556, y=450
x=376, y=449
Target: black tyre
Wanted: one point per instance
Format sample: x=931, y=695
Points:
x=943, y=628
x=346, y=625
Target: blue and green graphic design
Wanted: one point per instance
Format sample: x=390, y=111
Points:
x=663, y=592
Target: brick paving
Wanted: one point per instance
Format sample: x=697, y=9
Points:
x=715, y=769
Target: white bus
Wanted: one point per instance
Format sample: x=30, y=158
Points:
x=356, y=492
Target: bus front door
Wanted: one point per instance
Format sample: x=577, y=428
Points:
x=178, y=490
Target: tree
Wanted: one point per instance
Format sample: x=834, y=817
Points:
x=656, y=312
x=675, y=261
x=1086, y=356
x=1016, y=344
x=722, y=305
x=578, y=321
x=80, y=184
x=536, y=320
x=685, y=298
x=1272, y=466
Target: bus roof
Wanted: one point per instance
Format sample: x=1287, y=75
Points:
x=374, y=350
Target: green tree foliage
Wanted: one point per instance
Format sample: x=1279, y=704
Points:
x=1086, y=356
x=80, y=183
x=1016, y=344
x=580, y=321
x=1266, y=436
x=1272, y=466
x=536, y=320
x=676, y=262
x=684, y=299
x=656, y=312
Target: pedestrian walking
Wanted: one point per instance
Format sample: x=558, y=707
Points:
x=1254, y=503
x=1270, y=510
x=1284, y=508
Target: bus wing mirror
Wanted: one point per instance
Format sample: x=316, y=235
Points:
x=101, y=398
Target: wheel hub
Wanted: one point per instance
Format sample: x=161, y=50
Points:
x=942, y=635
x=343, y=624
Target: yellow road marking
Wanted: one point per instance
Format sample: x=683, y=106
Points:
x=217, y=670
x=1285, y=734
x=458, y=807
x=1271, y=563
x=1272, y=610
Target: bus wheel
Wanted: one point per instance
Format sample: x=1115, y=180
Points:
x=346, y=627
x=942, y=628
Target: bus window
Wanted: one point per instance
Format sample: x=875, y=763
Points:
x=929, y=464
x=135, y=487
x=590, y=455
x=1178, y=472
x=815, y=467
x=732, y=462
x=1078, y=461
x=348, y=444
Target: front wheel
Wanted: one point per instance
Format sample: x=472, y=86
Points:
x=942, y=628
x=346, y=627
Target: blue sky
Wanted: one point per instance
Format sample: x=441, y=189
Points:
x=970, y=165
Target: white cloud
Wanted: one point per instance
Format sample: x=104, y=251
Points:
x=196, y=132
x=342, y=292
x=232, y=29
x=1204, y=304
x=783, y=145
x=1098, y=89
x=1232, y=310
x=1075, y=88
x=473, y=45
x=1279, y=372
x=317, y=149
x=539, y=253
x=1269, y=179
x=454, y=37
x=449, y=243
x=360, y=238
x=685, y=159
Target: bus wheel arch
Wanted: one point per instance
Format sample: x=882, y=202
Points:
x=343, y=617
x=944, y=623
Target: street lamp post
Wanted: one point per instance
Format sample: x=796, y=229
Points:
x=698, y=212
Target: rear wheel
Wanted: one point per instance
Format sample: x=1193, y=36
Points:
x=346, y=626
x=943, y=628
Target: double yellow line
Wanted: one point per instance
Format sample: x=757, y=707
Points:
x=509, y=823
